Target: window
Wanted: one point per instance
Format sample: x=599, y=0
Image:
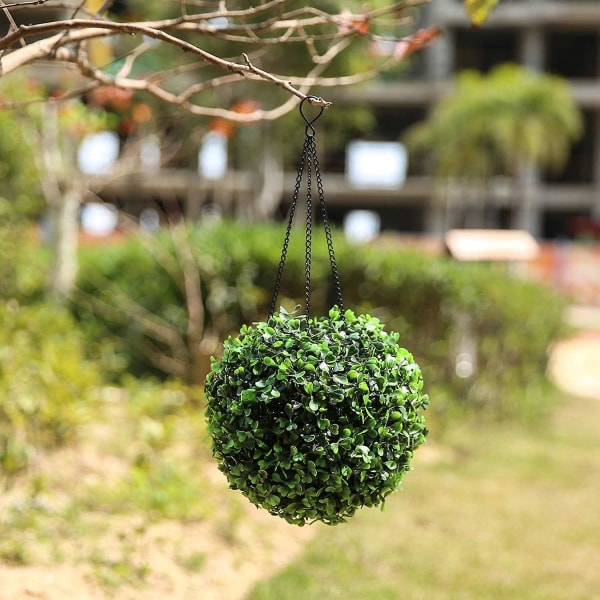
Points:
x=484, y=49
x=573, y=54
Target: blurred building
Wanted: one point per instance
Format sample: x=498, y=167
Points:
x=561, y=37
x=555, y=36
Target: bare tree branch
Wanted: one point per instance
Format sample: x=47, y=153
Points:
x=124, y=310
x=193, y=299
x=25, y=4
x=324, y=35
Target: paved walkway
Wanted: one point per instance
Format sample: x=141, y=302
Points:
x=575, y=362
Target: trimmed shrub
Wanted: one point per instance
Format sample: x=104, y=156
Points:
x=314, y=418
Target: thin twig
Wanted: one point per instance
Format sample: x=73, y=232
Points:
x=25, y=4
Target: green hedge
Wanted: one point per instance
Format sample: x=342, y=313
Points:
x=445, y=311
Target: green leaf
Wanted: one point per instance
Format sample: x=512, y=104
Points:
x=248, y=395
x=479, y=10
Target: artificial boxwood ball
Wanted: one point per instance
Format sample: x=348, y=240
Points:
x=314, y=418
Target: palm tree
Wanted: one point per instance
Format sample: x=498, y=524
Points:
x=511, y=122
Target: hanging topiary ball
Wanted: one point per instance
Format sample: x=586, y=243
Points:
x=314, y=418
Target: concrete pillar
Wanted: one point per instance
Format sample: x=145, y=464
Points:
x=435, y=218
x=527, y=214
x=533, y=49
x=439, y=57
x=528, y=211
x=193, y=203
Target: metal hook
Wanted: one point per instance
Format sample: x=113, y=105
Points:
x=310, y=130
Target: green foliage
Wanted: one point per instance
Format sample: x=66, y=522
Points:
x=479, y=10
x=493, y=124
x=439, y=305
x=314, y=418
x=136, y=292
x=46, y=385
x=23, y=264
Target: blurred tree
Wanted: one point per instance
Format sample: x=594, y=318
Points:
x=20, y=197
x=37, y=164
x=510, y=122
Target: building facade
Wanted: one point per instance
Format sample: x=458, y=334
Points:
x=560, y=37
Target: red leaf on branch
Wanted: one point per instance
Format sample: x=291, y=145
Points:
x=415, y=42
x=350, y=23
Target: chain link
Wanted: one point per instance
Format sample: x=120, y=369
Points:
x=324, y=213
x=308, y=245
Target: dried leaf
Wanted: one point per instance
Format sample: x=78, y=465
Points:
x=415, y=42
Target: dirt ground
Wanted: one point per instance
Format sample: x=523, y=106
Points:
x=262, y=544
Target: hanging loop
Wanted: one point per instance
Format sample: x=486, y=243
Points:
x=310, y=130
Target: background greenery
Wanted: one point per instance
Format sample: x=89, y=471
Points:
x=435, y=303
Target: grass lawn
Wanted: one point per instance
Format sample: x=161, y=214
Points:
x=490, y=514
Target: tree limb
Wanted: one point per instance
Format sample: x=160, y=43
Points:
x=262, y=26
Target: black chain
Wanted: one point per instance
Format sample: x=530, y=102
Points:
x=288, y=231
x=308, y=245
x=334, y=269
x=309, y=157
